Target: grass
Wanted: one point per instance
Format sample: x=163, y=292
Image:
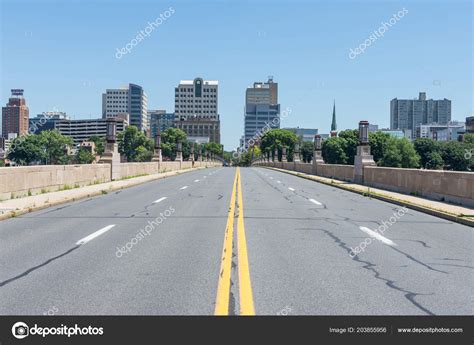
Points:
x=65, y=187
x=132, y=176
x=103, y=191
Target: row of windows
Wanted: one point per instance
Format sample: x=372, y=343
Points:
x=117, y=92
x=195, y=101
x=190, y=89
x=196, y=112
x=192, y=96
x=194, y=106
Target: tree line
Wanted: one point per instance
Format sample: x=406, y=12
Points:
x=388, y=151
x=51, y=147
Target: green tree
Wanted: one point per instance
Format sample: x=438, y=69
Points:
x=84, y=156
x=99, y=144
x=55, y=147
x=169, y=139
x=399, y=153
x=277, y=139
x=214, y=148
x=26, y=150
x=48, y=147
x=378, y=143
x=457, y=156
x=469, y=138
x=351, y=137
x=425, y=147
x=391, y=155
x=410, y=159
x=135, y=145
x=435, y=161
x=334, y=152
x=306, y=150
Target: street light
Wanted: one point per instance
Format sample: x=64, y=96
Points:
x=364, y=132
x=158, y=140
x=111, y=135
x=317, y=142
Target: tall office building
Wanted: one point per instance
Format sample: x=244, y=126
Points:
x=261, y=109
x=410, y=113
x=196, y=109
x=15, y=115
x=130, y=99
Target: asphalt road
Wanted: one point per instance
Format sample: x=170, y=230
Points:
x=105, y=256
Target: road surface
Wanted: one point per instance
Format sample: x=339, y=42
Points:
x=162, y=248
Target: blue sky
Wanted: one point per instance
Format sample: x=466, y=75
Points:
x=63, y=54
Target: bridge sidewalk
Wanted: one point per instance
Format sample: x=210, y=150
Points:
x=15, y=207
x=451, y=212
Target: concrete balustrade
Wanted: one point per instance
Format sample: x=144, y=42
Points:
x=450, y=186
x=31, y=180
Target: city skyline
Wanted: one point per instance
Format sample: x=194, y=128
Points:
x=309, y=80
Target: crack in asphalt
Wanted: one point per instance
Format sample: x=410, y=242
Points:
x=409, y=295
x=28, y=271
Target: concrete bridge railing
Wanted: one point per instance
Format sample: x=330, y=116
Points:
x=31, y=180
x=450, y=186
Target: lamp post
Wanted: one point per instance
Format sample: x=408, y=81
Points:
x=317, y=154
x=111, y=155
x=179, y=150
x=296, y=153
x=364, y=133
x=363, y=157
x=157, y=154
x=111, y=135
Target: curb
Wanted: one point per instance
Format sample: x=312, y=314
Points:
x=430, y=211
x=16, y=213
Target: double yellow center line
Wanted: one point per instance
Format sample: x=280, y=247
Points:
x=245, y=286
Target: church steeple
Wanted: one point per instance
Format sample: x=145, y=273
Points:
x=334, y=124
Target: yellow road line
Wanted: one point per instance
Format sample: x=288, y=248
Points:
x=245, y=286
x=223, y=287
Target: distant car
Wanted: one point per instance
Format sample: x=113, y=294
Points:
x=225, y=164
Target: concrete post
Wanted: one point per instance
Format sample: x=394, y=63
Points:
x=283, y=154
x=157, y=157
x=296, y=153
x=275, y=157
x=179, y=151
x=191, y=153
x=317, y=154
x=363, y=157
x=111, y=155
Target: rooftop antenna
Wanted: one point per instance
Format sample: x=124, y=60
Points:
x=270, y=79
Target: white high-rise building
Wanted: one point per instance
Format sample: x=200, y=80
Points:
x=196, y=99
x=196, y=108
x=130, y=99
